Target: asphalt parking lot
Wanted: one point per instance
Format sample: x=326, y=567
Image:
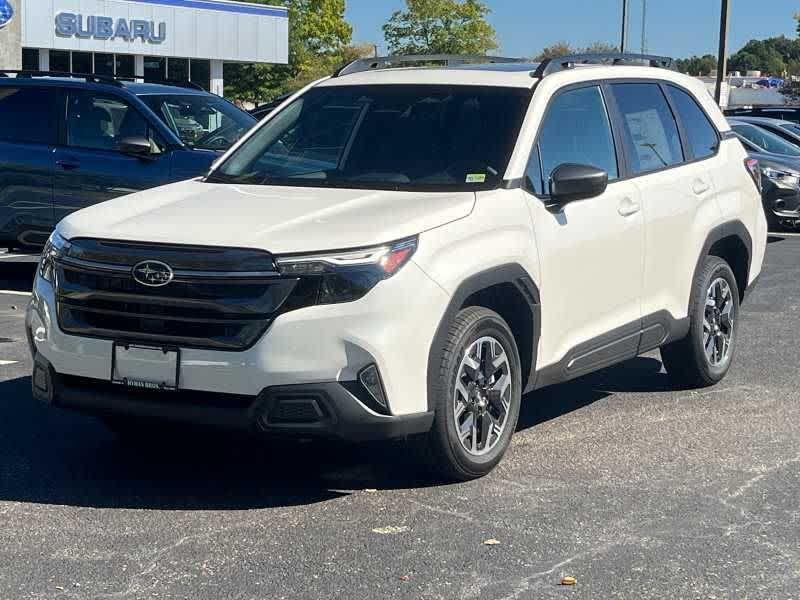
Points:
x=634, y=488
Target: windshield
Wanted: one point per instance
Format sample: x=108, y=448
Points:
x=385, y=137
x=765, y=140
x=200, y=121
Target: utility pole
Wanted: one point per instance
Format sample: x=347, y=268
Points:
x=644, y=26
x=624, y=41
x=722, y=64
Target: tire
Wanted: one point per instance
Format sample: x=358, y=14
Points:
x=687, y=361
x=442, y=448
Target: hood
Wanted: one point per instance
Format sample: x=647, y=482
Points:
x=277, y=219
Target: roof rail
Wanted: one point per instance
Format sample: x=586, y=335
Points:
x=562, y=63
x=379, y=62
x=191, y=85
x=90, y=78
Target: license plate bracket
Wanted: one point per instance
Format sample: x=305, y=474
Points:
x=145, y=367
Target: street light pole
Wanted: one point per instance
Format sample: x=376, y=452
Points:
x=722, y=64
x=623, y=43
x=644, y=26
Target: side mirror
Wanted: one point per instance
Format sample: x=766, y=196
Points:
x=571, y=182
x=135, y=146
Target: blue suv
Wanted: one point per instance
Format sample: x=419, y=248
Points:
x=69, y=141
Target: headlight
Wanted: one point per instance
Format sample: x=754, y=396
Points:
x=337, y=277
x=55, y=248
x=782, y=177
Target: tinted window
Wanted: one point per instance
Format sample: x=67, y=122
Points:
x=201, y=121
x=533, y=174
x=100, y=122
x=765, y=140
x=385, y=137
x=28, y=115
x=650, y=132
x=703, y=139
x=577, y=130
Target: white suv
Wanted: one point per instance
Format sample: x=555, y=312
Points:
x=407, y=252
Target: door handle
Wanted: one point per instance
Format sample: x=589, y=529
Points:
x=68, y=165
x=628, y=207
x=700, y=187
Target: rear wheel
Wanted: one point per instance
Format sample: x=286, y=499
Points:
x=704, y=356
x=476, y=398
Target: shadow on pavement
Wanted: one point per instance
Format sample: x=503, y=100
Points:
x=17, y=276
x=52, y=456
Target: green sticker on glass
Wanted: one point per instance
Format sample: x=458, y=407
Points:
x=476, y=178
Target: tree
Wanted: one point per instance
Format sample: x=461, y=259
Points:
x=319, y=39
x=768, y=56
x=440, y=27
x=698, y=65
x=563, y=49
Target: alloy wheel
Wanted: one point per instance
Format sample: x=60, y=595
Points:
x=718, y=322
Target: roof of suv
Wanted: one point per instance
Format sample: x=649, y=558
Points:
x=139, y=89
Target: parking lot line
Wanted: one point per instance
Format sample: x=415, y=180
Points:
x=15, y=293
x=5, y=363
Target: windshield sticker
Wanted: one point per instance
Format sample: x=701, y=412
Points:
x=476, y=178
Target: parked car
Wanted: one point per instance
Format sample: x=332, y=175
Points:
x=259, y=112
x=785, y=129
x=763, y=140
x=780, y=186
x=782, y=112
x=407, y=253
x=68, y=142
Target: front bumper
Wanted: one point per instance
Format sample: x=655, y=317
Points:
x=325, y=410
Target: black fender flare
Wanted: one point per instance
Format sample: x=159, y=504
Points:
x=512, y=273
x=733, y=228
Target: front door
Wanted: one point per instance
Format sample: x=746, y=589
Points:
x=89, y=168
x=591, y=251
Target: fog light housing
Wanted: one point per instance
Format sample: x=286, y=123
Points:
x=370, y=378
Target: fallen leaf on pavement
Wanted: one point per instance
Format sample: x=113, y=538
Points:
x=391, y=530
x=491, y=542
x=568, y=581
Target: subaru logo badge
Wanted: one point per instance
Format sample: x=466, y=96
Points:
x=153, y=273
x=6, y=12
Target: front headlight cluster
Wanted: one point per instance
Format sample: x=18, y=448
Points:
x=55, y=248
x=336, y=277
x=782, y=177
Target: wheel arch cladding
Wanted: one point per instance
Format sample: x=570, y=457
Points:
x=509, y=291
x=731, y=242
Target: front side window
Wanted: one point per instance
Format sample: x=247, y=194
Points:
x=28, y=115
x=385, y=137
x=764, y=140
x=100, y=122
x=649, y=128
x=702, y=135
x=576, y=130
x=200, y=121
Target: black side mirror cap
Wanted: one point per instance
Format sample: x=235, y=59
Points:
x=139, y=147
x=570, y=182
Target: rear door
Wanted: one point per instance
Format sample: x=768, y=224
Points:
x=89, y=168
x=676, y=188
x=28, y=135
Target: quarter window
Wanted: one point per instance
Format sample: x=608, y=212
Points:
x=649, y=128
x=701, y=134
x=576, y=130
x=28, y=115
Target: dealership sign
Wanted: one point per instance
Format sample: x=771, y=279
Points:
x=106, y=28
x=6, y=12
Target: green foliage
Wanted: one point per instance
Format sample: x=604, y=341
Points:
x=319, y=39
x=698, y=65
x=440, y=27
x=768, y=56
x=563, y=49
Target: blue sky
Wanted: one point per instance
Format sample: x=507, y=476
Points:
x=675, y=27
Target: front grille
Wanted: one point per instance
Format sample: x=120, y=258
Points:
x=219, y=298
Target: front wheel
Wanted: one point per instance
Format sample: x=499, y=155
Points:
x=704, y=356
x=476, y=396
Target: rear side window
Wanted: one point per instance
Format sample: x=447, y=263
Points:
x=650, y=131
x=575, y=130
x=28, y=115
x=701, y=134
